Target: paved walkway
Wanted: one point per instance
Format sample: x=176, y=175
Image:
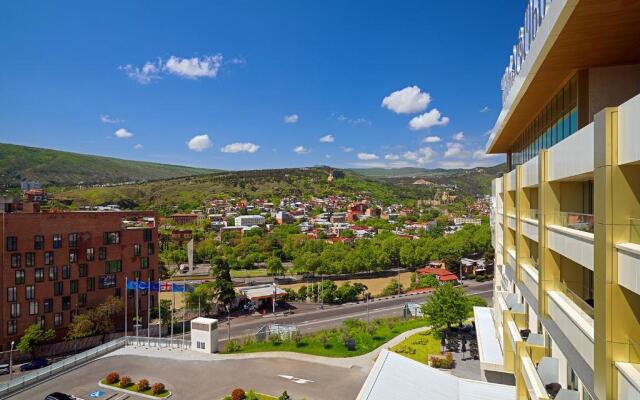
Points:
x=364, y=362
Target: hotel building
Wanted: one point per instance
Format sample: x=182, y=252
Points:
x=566, y=214
x=57, y=264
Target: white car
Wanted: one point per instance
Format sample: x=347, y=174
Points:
x=4, y=369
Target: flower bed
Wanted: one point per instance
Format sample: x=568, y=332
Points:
x=142, y=387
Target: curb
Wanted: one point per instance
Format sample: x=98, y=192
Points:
x=132, y=393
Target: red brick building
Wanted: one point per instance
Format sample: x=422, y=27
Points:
x=184, y=219
x=60, y=263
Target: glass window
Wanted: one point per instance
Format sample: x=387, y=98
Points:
x=58, y=288
x=30, y=259
x=66, y=302
x=83, y=270
x=57, y=241
x=151, y=249
x=12, y=243
x=33, y=307
x=15, y=310
x=47, y=305
x=107, y=281
x=20, y=277
x=113, y=266
x=48, y=257
x=57, y=320
x=53, y=273
x=66, y=272
x=567, y=126
x=30, y=292
x=111, y=237
x=147, y=235
x=73, y=256
x=144, y=262
x=40, y=321
x=136, y=249
x=136, y=275
x=90, y=254
x=39, y=275
x=73, y=240
x=38, y=242
x=74, y=286
x=16, y=260
x=102, y=253
x=12, y=327
x=82, y=300
x=12, y=294
x=91, y=284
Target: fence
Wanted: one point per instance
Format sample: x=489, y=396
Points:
x=155, y=342
x=41, y=374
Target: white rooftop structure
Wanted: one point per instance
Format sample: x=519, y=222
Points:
x=204, y=335
x=261, y=292
x=489, y=348
x=396, y=377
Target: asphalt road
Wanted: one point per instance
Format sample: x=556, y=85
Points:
x=332, y=316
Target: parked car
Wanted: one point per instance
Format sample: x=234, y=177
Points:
x=4, y=369
x=34, y=364
x=59, y=396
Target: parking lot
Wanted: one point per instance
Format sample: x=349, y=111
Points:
x=210, y=380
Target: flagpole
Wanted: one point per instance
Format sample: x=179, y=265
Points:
x=184, y=304
x=137, y=317
x=159, y=318
x=173, y=305
x=126, y=297
x=148, y=311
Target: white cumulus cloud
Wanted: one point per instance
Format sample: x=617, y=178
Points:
x=453, y=149
x=391, y=156
x=122, y=134
x=480, y=154
x=346, y=149
x=300, y=150
x=138, y=146
x=428, y=120
x=425, y=155
x=240, y=148
x=327, y=139
x=367, y=156
x=459, y=136
x=199, y=143
x=194, y=67
x=145, y=74
x=291, y=119
x=431, y=139
x=406, y=101
x=108, y=119
x=410, y=155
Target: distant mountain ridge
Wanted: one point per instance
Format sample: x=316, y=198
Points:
x=61, y=168
x=407, y=172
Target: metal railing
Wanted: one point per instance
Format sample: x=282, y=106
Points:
x=531, y=213
x=576, y=299
x=511, y=212
x=634, y=230
x=572, y=220
x=41, y=374
x=155, y=342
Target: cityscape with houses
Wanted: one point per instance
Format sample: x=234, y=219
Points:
x=298, y=200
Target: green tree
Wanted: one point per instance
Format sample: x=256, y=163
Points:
x=274, y=266
x=95, y=321
x=446, y=306
x=33, y=336
x=201, y=298
x=222, y=285
x=392, y=288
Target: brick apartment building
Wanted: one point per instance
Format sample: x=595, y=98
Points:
x=56, y=264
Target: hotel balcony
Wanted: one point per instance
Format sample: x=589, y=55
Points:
x=629, y=374
x=530, y=276
x=629, y=259
x=498, y=187
x=572, y=158
x=530, y=173
x=510, y=181
x=511, y=219
x=572, y=236
x=529, y=224
x=574, y=318
x=510, y=264
x=541, y=375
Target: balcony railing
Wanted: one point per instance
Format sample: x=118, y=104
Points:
x=584, y=305
x=572, y=220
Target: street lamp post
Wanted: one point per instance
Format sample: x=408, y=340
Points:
x=228, y=324
x=11, y=360
x=274, y=299
x=367, y=294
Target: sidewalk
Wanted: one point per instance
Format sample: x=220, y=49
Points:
x=364, y=362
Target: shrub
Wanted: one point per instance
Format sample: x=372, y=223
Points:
x=112, y=377
x=444, y=363
x=296, y=337
x=238, y=394
x=157, y=388
x=143, y=385
x=323, y=339
x=232, y=346
x=275, y=339
x=284, y=396
x=125, y=381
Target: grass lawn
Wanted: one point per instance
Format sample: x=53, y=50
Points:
x=419, y=346
x=375, y=285
x=134, y=389
x=330, y=343
x=248, y=273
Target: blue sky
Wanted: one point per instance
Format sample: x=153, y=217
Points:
x=257, y=84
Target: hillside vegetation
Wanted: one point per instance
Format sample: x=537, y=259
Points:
x=52, y=167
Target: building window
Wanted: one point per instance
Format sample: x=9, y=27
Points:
x=47, y=305
x=66, y=302
x=30, y=292
x=30, y=259
x=113, y=266
x=66, y=272
x=91, y=284
x=90, y=254
x=12, y=327
x=136, y=275
x=102, y=253
x=200, y=345
x=147, y=235
x=74, y=286
x=73, y=240
x=33, y=308
x=58, y=288
x=57, y=241
x=111, y=237
x=20, y=277
x=73, y=256
x=12, y=243
x=136, y=249
x=38, y=242
x=151, y=275
x=107, y=281
x=53, y=273
x=83, y=270
x=82, y=300
x=15, y=310
x=40, y=321
x=150, y=248
x=39, y=275
x=16, y=260
x=144, y=262
x=48, y=257
x=57, y=320
x=12, y=294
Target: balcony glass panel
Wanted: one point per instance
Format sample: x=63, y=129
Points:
x=577, y=221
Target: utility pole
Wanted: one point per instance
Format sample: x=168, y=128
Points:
x=398, y=282
x=228, y=324
x=11, y=360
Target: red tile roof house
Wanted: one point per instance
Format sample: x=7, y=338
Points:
x=442, y=275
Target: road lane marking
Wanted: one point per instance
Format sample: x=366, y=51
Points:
x=294, y=379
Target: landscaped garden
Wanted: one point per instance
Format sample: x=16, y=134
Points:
x=239, y=394
x=353, y=338
x=114, y=380
x=419, y=346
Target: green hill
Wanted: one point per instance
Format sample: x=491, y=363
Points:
x=60, y=168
